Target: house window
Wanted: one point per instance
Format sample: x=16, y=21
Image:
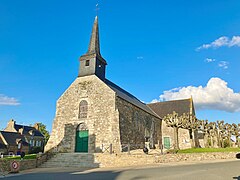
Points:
x=87, y=63
x=19, y=145
x=83, y=109
x=39, y=143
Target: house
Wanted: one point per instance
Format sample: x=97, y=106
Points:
x=29, y=136
x=13, y=142
x=3, y=148
x=187, y=139
x=94, y=113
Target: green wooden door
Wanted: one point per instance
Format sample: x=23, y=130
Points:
x=166, y=142
x=82, y=141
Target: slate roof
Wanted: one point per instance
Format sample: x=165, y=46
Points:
x=2, y=145
x=11, y=137
x=167, y=107
x=26, y=130
x=130, y=98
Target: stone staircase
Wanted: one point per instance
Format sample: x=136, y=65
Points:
x=76, y=160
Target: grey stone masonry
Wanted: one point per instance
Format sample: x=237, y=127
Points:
x=136, y=124
x=101, y=121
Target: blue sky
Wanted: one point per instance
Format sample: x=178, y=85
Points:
x=156, y=50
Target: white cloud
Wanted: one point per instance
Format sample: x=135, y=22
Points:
x=140, y=57
x=8, y=101
x=223, y=64
x=215, y=95
x=154, y=101
x=208, y=60
x=222, y=41
x=235, y=41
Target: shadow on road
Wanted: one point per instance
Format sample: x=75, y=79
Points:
x=238, y=178
x=67, y=175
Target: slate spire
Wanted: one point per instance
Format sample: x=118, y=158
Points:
x=94, y=45
x=92, y=62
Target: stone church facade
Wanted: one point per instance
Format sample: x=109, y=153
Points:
x=94, y=112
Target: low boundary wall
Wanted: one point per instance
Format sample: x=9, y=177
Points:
x=124, y=159
x=121, y=160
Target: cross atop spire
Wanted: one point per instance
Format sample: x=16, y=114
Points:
x=94, y=45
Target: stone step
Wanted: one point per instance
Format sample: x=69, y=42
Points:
x=71, y=160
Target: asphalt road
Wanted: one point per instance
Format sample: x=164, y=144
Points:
x=201, y=171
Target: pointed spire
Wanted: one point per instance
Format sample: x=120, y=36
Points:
x=94, y=45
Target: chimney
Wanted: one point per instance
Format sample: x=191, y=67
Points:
x=36, y=126
x=20, y=130
x=10, y=126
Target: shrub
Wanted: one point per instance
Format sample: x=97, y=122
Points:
x=226, y=143
x=35, y=150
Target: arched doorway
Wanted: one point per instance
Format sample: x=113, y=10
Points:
x=81, y=138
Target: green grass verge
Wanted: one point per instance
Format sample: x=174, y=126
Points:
x=28, y=156
x=204, y=150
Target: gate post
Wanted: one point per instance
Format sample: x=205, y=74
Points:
x=128, y=148
x=111, y=150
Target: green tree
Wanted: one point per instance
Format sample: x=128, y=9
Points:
x=44, y=131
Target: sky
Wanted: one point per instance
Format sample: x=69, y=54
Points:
x=157, y=50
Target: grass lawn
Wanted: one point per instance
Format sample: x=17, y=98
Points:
x=28, y=156
x=202, y=150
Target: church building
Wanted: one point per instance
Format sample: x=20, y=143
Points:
x=94, y=113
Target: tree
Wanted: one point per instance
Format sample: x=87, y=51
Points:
x=44, y=131
x=176, y=122
x=191, y=123
x=220, y=132
x=204, y=128
x=236, y=132
x=227, y=133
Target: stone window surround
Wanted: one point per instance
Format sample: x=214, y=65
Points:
x=83, y=109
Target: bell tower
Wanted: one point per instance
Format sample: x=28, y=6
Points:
x=92, y=62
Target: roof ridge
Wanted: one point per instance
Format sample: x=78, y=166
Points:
x=170, y=101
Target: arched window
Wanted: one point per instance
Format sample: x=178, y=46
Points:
x=83, y=109
x=82, y=127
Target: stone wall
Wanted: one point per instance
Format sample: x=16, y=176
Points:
x=184, y=139
x=183, y=136
x=23, y=164
x=101, y=121
x=135, y=124
x=5, y=165
x=167, y=132
x=122, y=160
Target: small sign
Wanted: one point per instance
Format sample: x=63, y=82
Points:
x=15, y=166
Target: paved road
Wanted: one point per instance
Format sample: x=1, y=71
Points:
x=206, y=171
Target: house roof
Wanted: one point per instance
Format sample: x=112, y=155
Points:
x=27, y=130
x=11, y=137
x=167, y=107
x=2, y=145
x=130, y=98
